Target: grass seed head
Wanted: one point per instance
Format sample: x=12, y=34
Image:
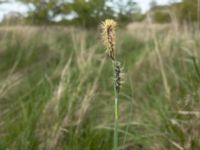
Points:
x=118, y=76
x=108, y=35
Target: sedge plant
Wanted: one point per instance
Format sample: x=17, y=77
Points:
x=108, y=35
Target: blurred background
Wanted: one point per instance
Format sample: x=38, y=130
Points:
x=56, y=85
x=88, y=13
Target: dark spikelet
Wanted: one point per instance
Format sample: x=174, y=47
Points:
x=118, y=76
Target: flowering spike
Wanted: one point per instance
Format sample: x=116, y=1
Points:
x=118, y=76
x=108, y=35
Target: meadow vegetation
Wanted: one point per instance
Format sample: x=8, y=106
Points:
x=56, y=89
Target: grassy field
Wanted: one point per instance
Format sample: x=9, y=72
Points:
x=56, y=89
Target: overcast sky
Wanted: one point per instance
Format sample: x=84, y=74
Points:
x=14, y=6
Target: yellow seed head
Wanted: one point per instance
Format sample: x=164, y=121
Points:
x=108, y=35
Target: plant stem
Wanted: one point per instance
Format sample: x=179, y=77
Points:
x=116, y=111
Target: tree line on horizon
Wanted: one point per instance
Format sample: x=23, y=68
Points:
x=187, y=11
x=87, y=13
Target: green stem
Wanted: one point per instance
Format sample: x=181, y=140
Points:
x=116, y=111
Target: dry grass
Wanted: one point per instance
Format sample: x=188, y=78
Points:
x=55, y=92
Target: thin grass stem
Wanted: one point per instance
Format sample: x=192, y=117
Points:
x=115, y=142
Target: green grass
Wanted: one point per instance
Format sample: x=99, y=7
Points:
x=56, y=90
